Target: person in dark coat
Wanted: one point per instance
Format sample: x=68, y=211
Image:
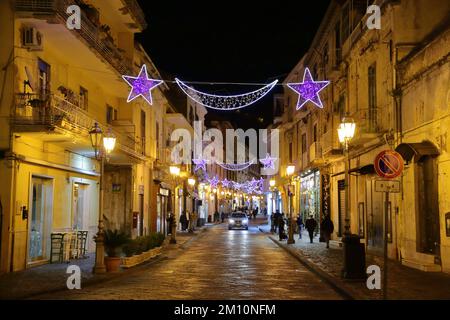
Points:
x=281, y=234
x=311, y=225
x=327, y=228
x=300, y=226
x=222, y=216
x=183, y=221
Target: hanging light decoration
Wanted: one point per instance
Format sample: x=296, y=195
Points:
x=220, y=102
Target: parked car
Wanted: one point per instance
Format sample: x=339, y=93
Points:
x=238, y=220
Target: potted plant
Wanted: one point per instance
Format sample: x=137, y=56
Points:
x=113, y=241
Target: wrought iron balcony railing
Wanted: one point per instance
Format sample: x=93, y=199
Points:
x=91, y=33
x=37, y=112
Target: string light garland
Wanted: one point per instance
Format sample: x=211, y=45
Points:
x=221, y=102
x=236, y=166
x=308, y=90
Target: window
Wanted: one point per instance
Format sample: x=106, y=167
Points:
x=111, y=114
x=290, y=152
x=143, y=131
x=44, y=79
x=372, y=85
x=304, y=143
x=83, y=98
x=337, y=35
x=315, y=133
x=157, y=135
x=345, y=18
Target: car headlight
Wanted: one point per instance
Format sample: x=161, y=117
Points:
x=231, y=221
x=245, y=221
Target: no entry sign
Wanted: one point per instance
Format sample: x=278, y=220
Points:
x=389, y=164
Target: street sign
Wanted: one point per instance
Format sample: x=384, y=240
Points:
x=392, y=186
x=389, y=164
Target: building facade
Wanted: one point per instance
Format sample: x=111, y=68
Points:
x=393, y=82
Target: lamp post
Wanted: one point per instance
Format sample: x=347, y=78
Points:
x=354, y=258
x=191, y=182
x=103, y=145
x=346, y=131
x=289, y=172
x=175, y=172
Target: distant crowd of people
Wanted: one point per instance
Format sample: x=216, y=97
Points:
x=280, y=224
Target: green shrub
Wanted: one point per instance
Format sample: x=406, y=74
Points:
x=113, y=241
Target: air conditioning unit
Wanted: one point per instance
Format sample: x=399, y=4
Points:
x=31, y=38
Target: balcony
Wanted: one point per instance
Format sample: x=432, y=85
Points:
x=315, y=154
x=136, y=12
x=91, y=32
x=57, y=116
x=331, y=147
x=367, y=125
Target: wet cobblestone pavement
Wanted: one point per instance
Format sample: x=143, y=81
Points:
x=219, y=264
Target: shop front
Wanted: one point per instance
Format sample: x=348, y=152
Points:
x=310, y=195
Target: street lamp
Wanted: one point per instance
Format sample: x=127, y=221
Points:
x=175, y=172
x=289, y=172
x=109, y=142
x=191, y=182
x=354, y=266
x=346, y=131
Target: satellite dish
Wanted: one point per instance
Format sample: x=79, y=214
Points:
x=29, y=81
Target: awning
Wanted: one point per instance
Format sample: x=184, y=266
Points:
x=417, y=150
x=367, y=169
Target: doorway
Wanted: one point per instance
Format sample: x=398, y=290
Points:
x=80, y=205
x=39, y=228
x=375, y=212
x=141, y=216
x=428, y=227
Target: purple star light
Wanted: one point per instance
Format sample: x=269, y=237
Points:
x=226, y=183
x=141, y=85
x=308, y=90
x=200, y=164
x=213, y=182
x=268, y=162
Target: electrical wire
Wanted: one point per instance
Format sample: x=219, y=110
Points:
x=170, y=81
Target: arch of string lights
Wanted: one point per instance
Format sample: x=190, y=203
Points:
x=220, y=102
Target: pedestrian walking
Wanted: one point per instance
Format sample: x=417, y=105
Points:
x=281, y=233
x=327, y=228
x=184, y=221
x=300, y=226
x=222, y=216
x=311, y=225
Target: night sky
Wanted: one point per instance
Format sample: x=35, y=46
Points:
x=224, y=41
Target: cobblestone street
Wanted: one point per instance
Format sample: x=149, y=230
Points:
x=220, y=264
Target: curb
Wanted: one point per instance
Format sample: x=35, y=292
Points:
x=331, y=281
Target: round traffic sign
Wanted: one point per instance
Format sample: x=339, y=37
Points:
x=389, y=164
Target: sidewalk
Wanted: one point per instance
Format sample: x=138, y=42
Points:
x=52, y=277
x=403, y=282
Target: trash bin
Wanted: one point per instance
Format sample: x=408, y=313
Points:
x=354, y=258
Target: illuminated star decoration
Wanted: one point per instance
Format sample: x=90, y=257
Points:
x=268, y=162
x=226, y=183
x=200, y=164
x=213, y=182
x=141, y=85
x=308, y=90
